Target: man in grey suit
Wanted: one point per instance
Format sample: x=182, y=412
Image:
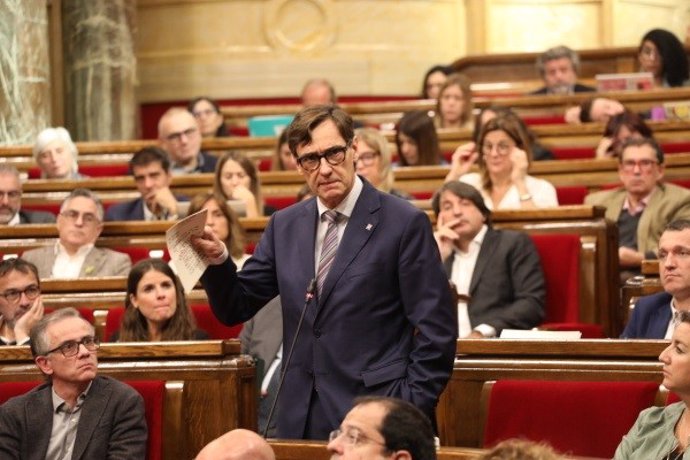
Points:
x=11, y=201
x=76, y=414
x=497, y=273
x=74, y=255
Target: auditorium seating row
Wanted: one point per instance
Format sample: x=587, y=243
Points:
x=202, y=389
x=537, y=110
x=580, y=396
x=586, y=243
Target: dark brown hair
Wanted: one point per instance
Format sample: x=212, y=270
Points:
x=419, y=126
x=515, y=129
x=134, y=327
x=309, y=118
x=249, y=169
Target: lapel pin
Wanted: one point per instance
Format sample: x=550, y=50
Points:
x=369, y=227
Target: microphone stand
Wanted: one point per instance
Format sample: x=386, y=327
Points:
x=307, y=298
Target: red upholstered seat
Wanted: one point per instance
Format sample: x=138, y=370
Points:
x=573, y=153
x=153, y=392
x=560, y=261
x=112, y=321
x=206, y=320
x=675, y=147
x=11, y=389
x=581, y=418
x=532, y=120
x=422, y=195
x=140, y=253
x=571, y=195
x=280, y=202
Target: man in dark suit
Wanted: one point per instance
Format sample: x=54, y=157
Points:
x=76, y=414
x=11, y=201
x=558, y=67
x=497, y=273
x=382, y=320
x=652, y=317
x=150, y=168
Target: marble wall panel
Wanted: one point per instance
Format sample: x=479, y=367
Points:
x=24, y=70
x=100, y=69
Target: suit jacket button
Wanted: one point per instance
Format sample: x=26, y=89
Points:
x=317, y=333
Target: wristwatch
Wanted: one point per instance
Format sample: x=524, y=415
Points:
x=526, y=197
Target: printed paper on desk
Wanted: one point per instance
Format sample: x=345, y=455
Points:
x=189, y=264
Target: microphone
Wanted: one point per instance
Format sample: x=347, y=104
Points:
x=311, y=289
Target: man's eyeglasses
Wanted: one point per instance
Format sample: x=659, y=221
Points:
x=177, y=137
x=502, y=148
x=71, y=347
x=334, y=156
x=11, y=195
x=367, y=158
x=13, y=295
x=352, y=437
x=645, y=165
x=86, y=217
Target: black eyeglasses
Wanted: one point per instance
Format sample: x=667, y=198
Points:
x=177, y=137
x=13, y=295
x=334, y=156
x=71, y=347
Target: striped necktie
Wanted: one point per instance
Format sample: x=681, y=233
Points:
x=329, y=248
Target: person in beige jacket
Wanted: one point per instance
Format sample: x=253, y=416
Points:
x=74, y=255
x=644, y=205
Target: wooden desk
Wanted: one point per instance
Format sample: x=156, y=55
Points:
x=218, y=385
x=480, y=361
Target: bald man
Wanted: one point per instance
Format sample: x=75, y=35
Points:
x=237, y=444
x=179, y=135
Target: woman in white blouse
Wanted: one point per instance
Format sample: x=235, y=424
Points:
x=503, y=154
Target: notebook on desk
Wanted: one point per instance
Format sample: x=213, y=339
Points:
x=624, y=81
x=268, y=126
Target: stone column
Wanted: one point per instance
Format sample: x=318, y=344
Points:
x=100, y=69
x=24, y=70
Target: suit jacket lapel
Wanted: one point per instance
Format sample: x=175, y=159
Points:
x=360, y=227
x=39, y=410
x=659, y=321
x=92, y=410
x=484, y=258
x=92, y=262
x=645, y=223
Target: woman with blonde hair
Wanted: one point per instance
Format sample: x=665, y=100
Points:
x=454, y=104
x=503, y=154
x=224, y=223
x=373, y=161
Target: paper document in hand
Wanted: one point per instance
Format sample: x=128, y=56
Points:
x=189, y=264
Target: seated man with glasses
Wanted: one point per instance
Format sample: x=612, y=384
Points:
x=20, y=301
x=11, y=201
x=75, y=414
x=179, y=135
x=74, y=255
x=655, y=316
x=644, y=205
x=381, y=427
